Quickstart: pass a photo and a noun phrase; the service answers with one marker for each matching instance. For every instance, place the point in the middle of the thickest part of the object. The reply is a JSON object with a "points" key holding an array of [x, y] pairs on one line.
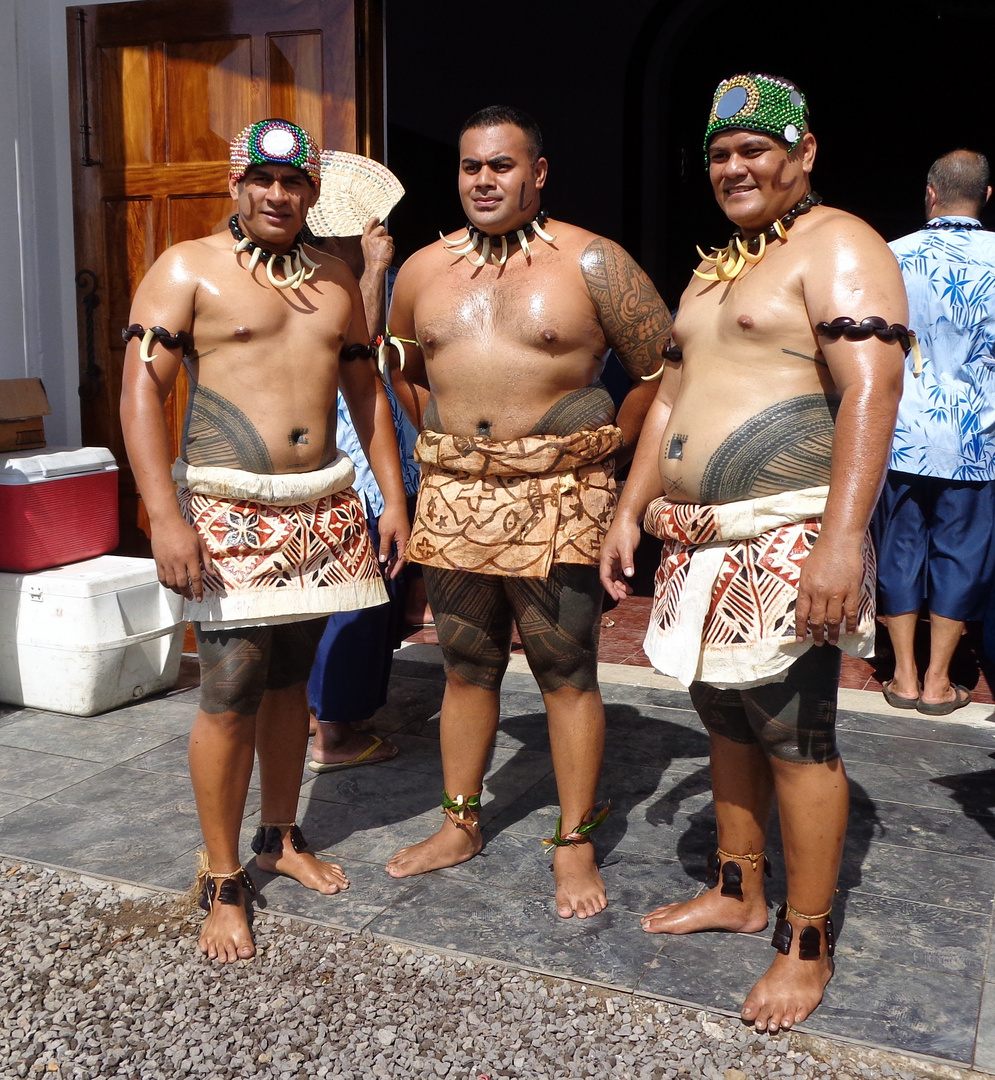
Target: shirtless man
{"points": [[770, 404], [505, 327], [267, 535]]}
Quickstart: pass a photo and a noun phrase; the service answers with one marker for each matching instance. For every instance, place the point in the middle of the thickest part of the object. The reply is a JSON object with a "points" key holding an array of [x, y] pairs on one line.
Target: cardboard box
{"points": [[22, 405]]}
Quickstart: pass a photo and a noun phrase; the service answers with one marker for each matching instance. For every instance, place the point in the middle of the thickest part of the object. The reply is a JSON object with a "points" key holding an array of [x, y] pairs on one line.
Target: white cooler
{"points": [[88, 637]]}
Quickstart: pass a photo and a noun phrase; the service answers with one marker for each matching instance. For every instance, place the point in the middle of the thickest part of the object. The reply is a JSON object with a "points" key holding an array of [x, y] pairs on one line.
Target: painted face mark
{"points": [[298, 437], [676, 449], [521, 197]]}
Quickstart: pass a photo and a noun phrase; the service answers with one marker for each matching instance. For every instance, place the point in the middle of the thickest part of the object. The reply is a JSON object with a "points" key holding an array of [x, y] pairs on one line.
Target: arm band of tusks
{"points": [[155, 333]]}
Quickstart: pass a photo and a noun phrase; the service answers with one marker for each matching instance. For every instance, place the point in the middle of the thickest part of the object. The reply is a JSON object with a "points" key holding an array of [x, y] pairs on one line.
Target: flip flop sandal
{"points": [[944, 708], [362, 759], [896, 701]]}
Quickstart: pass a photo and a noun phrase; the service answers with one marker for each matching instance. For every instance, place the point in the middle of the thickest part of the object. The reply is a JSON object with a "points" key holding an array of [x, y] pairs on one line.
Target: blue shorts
{"points": [[934, 543]]}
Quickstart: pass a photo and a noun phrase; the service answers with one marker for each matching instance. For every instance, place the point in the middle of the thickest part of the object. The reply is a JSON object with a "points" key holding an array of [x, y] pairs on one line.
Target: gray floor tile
{"points": [[914, 725], [10, 803], [916, 934], [415, 754], [940, 878], [984, 1047], [100, 841], [718, 968], [894, 783], [171, 757], [371, 833], [892, 1005], [924, 827], [9, 714], [129, 792], [932, 757], [77, 737], [371, 892], [408, 701], [519, 928], [36, 775], [172, 715]]}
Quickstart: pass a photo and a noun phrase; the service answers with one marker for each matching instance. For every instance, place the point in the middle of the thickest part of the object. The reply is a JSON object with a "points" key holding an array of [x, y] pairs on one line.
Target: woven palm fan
{"points": [[352, 189]]}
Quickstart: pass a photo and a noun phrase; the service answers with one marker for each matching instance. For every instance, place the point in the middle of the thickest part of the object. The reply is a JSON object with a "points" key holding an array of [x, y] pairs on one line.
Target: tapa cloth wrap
{"points": [[724, 596], [514, 507], [285, 547]]}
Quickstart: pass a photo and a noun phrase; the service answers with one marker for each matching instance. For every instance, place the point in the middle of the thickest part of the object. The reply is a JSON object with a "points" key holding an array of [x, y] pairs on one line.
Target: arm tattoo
{"points": [[218, 433], [633, 316], [786, 447]]}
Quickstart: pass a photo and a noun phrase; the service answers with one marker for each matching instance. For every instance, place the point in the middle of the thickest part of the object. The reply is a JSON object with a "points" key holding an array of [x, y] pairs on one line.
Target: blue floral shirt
{"points": [[348, 440], [946, 419]]}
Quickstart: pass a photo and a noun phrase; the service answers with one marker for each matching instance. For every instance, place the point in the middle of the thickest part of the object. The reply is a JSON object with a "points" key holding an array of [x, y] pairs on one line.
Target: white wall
{"points": [[38, 297]]}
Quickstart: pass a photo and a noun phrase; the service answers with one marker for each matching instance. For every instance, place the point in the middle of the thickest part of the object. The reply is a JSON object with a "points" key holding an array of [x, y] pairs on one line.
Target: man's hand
{"points": [[394, 532], [617, 557], [378, 245], [828, 593], [179, 555]]}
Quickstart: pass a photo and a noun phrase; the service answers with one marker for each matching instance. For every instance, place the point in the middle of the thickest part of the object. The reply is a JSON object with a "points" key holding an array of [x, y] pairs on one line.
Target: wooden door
{"points": [[158, 88]]}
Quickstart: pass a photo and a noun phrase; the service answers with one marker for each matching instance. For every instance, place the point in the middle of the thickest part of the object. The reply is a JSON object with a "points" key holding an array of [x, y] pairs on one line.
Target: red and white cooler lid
{"points": [[54, 463]]}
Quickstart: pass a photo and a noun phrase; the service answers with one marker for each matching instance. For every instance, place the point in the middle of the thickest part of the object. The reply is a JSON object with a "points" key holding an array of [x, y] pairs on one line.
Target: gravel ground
{"points": [[101, 980]]}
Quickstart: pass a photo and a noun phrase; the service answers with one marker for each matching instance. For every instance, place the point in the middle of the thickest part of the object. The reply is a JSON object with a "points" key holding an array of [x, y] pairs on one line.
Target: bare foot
{"points": [[789, 991], [225, 934], [579, 888], [710, 911], [450, 846], [324, 877]]}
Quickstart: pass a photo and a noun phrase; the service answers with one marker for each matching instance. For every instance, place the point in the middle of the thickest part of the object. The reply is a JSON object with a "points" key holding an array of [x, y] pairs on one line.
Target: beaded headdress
{"points": [[275, 142], [758, 103]]}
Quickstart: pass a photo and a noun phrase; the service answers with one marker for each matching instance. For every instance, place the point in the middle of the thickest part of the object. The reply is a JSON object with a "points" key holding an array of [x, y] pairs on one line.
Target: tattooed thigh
{"points": [[233, 667], [786, 447]]}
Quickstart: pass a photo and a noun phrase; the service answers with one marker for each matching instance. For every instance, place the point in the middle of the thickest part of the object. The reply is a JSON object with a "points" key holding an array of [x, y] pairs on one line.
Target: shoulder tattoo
{"points": [[633, 316]]}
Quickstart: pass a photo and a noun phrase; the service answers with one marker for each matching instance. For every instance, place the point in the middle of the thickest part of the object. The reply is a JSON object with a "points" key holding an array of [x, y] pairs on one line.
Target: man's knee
{"points": [[474, 659]]}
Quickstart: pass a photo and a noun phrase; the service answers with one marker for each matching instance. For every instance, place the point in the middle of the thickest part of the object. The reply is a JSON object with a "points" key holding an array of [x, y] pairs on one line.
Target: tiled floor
{"points": [[110, 795]]}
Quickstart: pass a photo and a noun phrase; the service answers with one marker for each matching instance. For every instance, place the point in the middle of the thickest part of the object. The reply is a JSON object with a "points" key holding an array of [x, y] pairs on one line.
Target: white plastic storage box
{"points": [[88, 637]]}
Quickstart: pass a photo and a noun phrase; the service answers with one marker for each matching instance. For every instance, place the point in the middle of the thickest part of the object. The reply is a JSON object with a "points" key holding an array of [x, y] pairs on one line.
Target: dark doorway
{"points": [[622, 93]]}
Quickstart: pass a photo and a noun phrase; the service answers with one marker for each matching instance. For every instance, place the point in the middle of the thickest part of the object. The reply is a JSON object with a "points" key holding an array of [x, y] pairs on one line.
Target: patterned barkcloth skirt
{"points": [[725, 593], [513, 507], [301, 552]]}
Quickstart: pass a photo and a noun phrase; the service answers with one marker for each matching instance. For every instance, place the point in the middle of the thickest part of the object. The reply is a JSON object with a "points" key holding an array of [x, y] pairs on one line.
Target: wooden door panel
{"points": [[295, 78], [159, 87], [217, 75], [126, 90], [190, 216]]}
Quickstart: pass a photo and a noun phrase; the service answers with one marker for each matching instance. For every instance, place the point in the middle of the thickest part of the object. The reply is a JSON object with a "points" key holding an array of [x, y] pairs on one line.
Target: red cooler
{"points": [[57, 505]]}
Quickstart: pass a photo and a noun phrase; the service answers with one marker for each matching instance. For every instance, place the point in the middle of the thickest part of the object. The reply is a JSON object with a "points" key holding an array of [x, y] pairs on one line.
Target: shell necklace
{"points": [[475, 246], [730, 261], [297, 267]]}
